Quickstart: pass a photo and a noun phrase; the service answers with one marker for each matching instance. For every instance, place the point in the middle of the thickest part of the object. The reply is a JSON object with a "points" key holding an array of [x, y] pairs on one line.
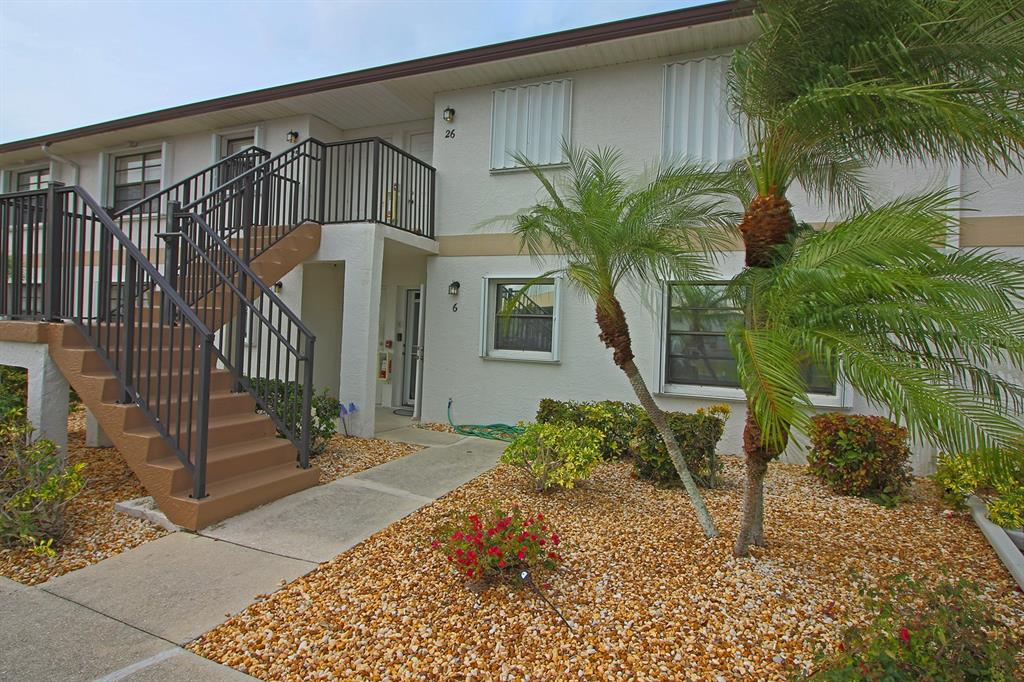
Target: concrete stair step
{"points": [[230, 460], [247, 491]]}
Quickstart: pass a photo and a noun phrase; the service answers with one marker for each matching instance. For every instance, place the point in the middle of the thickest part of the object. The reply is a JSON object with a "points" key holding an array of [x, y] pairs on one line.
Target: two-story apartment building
{"points": [[407, 167]]}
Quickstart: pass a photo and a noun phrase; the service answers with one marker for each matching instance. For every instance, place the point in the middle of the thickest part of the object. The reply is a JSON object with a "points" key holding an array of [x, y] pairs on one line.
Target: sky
{"points": [[67, 64]]}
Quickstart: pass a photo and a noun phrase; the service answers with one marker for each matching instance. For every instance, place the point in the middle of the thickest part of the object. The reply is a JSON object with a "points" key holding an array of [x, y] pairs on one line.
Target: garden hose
{"points": [[505, 432]]}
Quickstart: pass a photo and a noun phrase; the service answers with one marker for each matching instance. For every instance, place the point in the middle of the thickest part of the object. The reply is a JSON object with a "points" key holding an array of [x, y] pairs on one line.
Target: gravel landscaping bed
{"points": [[95, 530], [346, 455], [434, 426], [647, 596]]}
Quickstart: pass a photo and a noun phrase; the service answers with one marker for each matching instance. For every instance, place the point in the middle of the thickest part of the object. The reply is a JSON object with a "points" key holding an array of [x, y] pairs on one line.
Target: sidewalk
{"points": [[126, 618]]}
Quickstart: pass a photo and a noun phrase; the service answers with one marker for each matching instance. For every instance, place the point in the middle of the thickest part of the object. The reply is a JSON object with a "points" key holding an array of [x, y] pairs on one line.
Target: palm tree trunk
{"points": [[615, 334], [669, 438], [757, 459], [767, 223]]}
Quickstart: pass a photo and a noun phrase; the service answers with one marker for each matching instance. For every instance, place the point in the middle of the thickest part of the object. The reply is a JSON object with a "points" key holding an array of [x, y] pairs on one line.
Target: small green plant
{"points": [[922, 631], [865, 456], [557, 454], [1002, 488], [35, 486], [494, 543], [286, 396], [13, 388], [697, 434], [614, 419]]}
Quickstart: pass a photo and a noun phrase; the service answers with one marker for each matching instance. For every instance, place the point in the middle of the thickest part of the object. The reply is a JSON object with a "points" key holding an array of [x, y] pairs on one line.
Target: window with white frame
{"points": [[232, 144], [33, 179], [531, 120], [520, 319], [136, 176], [696, 124], [697, 352]]}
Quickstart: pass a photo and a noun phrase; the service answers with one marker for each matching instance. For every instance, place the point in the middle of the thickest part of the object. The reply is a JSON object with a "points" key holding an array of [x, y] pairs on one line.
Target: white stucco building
{"points": [[651, 87]]}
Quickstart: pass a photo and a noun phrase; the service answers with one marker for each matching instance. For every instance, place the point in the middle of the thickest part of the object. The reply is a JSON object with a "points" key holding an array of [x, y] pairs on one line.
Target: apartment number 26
{"points": [[449, 134]]}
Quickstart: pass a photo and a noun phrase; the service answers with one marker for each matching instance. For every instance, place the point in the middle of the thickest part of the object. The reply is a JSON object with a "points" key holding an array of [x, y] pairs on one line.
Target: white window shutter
{"points": [[696, 123], [532, 120]]}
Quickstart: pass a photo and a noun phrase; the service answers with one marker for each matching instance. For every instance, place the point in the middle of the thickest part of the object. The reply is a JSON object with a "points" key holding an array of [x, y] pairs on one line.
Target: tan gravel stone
{"points": [[648, 597]]}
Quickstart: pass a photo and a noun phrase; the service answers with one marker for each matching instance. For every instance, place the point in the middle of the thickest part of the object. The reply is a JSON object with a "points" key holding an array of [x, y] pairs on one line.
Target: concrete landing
{"points": [[46, 637], [179, 586], [317, 524]]}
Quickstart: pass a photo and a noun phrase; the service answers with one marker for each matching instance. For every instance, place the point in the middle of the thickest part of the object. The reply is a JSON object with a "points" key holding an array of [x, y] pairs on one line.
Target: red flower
{"points": [[501, 563], [435, 544], [905, 634], [522, 555], [540, 517], [554, 538]]}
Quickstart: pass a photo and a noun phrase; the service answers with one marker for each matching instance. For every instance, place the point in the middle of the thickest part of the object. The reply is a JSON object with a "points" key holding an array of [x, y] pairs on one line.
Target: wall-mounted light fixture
{"points": [[278, 286], [448, 114], [453, 289], [292, 137]]}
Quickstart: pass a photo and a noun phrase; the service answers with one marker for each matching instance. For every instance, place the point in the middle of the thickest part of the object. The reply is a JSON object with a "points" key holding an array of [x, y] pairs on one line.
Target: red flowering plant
{"points": [[935, 630], [494, 543]]}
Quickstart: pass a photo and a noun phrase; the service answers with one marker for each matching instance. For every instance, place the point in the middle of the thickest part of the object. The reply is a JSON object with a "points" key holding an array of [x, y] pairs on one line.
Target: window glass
{"points": [[696, 350], [136, 176], [524, 316], [30, 180]]}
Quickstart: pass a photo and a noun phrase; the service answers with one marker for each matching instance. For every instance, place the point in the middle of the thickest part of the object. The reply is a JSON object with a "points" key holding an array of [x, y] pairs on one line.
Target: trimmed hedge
{"points": [[697, 435], [860, 455], [555, 454], [614, 419]]}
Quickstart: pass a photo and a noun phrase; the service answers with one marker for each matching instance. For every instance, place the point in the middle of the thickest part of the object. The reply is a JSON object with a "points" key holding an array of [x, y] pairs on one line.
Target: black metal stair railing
{"points": [[56, 248], [142, 220], [262, 337]]}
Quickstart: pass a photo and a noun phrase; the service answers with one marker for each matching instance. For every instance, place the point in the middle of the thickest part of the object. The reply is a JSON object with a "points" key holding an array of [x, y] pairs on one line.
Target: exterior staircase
{"points": [[178, 362]]}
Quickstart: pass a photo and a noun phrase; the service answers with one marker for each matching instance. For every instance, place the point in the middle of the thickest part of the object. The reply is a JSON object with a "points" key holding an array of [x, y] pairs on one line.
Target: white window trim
{"points": [[217, 139], [487, 310], [567, 136], [842, 399]]}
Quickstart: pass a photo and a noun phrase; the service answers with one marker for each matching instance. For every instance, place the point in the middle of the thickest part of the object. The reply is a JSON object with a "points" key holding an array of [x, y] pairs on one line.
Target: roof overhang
{"points": [[405, 90]]}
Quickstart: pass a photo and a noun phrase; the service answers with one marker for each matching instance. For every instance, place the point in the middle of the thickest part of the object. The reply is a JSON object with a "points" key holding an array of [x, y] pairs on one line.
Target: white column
{"points": [[94, 436], [47, 408], [360, 329]]}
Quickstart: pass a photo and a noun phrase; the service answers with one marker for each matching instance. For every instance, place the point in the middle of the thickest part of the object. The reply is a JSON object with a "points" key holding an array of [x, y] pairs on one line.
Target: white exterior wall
{"points": [[619, 106]]}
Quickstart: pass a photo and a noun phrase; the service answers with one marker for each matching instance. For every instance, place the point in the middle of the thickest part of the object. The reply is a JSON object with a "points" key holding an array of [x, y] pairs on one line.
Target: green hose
{"points": [[505, 432]]}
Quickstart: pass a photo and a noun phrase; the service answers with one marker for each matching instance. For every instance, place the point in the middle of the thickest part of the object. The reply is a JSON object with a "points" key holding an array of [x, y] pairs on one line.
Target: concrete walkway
{"points": [[126, 618]]}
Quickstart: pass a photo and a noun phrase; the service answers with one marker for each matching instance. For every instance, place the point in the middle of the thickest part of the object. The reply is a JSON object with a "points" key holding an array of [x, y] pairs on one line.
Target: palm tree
{"points": [[610, 232], [829, 88]]}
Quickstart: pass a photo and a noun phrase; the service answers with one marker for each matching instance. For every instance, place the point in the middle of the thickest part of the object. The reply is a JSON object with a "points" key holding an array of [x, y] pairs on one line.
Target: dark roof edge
{"points": [[624, 28]]}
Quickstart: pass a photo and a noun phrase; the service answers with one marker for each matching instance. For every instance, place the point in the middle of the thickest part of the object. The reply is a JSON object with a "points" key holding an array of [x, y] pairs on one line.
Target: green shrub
{"points": [[1001, 488], [13, 388], [922, 631], [558, 454], [287, 397], [697, 435], [615, 420], [860, 455], [35, 486], [485, 545]]}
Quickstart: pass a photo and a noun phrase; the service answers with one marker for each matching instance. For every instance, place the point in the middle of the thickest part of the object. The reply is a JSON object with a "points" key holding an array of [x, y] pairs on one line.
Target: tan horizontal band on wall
{"points": [[974, 231], [1004, 230], [497, 245]]}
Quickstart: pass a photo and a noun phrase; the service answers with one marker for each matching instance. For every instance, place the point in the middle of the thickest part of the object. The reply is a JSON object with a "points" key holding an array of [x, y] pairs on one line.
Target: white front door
{"points": [[421, 145]]}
